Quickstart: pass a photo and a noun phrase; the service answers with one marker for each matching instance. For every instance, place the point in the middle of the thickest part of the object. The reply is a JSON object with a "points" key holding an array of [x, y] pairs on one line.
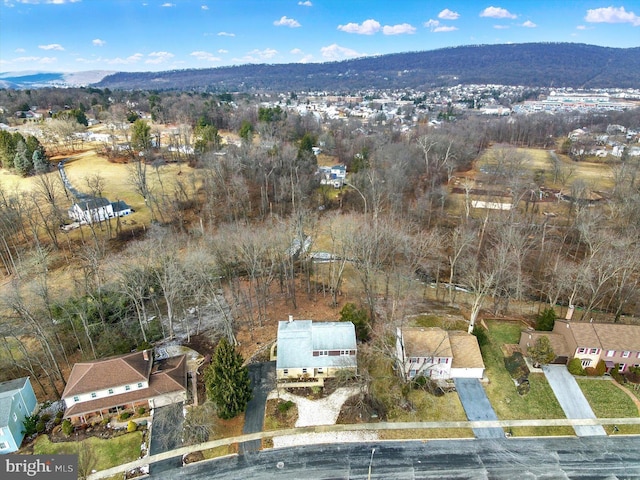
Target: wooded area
{"points": [[231, 229]]}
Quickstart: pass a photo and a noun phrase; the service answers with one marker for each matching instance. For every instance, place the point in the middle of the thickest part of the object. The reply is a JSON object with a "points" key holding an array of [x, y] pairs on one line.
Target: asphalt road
{"points": [[263, 378], [578, 458], [571, 399], [477, 406]]}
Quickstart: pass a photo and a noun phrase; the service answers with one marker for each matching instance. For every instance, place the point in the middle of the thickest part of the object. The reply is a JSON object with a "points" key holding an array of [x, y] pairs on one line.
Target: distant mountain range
{"points": [[531, 64], [20, 80]]}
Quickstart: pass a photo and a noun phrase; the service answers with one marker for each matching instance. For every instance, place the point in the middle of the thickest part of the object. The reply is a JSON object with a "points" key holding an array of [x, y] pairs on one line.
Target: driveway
{"points": [[571, 398], [477, 406], [263, 380], [166, 434]]}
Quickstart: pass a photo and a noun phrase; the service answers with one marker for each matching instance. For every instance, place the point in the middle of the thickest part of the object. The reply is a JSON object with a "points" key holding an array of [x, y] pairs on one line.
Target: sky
{"points": [[155, 35]]}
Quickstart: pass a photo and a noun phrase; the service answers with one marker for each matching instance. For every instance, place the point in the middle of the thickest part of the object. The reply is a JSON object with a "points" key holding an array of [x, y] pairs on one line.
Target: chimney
{"points": [[145, 355], [290, 318]]}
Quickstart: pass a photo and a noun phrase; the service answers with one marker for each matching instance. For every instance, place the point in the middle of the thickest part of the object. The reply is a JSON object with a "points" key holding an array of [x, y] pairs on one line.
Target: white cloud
{"points": [[447, 14], [205, 56], [434, 26], [399, 29], [136, 57], [497, 12], [19, 50], [287, 22], [98, 42], [52, 46], [612, 15], [258, 55], [204, 7], [226, 34], [336, 52], [306, 4], [501, 27], [222, 50], [168, 5], [26, 59], [159, 57], [296, 51], [581, 27], [529, 24], [368, 27], [36, 2], [48, 60]]}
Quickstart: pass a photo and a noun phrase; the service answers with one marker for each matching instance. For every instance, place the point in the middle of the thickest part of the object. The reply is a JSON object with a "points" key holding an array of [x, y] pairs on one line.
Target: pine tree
{"points": [[40, 162], [227, 381], [21, 161]]}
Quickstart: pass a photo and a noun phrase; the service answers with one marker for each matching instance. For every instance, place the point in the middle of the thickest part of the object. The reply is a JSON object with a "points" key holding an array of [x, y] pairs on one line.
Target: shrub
{"points": [[60, 414], [546, 319], [105, 421], [125, 415], [601, 368], [45, 417], [575, 367], [132, 426], [360, 319], [481, 334], [29, 424], [523, 387], [67, 427], [591, 372], [617, 376], [284, 407], [40, 426], [141, 410]]}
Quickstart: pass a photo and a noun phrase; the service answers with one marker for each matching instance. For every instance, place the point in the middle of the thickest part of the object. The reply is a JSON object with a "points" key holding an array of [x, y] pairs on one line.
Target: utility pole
{"points": [[370, 463]]}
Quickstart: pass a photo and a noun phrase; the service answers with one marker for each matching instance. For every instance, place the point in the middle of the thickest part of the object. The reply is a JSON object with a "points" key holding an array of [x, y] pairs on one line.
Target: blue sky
{"points": [[152, 35]]}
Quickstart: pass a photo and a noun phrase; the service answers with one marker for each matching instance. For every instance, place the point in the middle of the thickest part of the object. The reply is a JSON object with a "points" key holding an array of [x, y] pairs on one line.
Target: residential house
{"points": [[109, 386], [334, 175], [308, 352], [98, 209], [438, 354], [613, 343], [17, 401]]}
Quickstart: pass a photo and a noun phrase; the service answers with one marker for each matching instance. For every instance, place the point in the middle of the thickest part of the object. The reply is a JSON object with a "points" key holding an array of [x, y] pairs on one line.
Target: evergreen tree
{"points": [[359, 318], [40, 162], [7, 149], [140, 135], [227, 381], [546, 319], [21, 161]]}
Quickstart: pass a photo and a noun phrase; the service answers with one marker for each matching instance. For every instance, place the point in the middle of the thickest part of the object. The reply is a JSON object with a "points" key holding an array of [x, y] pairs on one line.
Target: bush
{"points": [[67, 427], [141, 410], [523, 387], [516, 366], [359, 318], [617, 376], [284, 407], [601, 368], [45, 417], [546, 319], [481, 334], [60, 414], [30, 424], [125, 415], [591, 372], [40, 426], [575, 367], [105, 421], [132, 426]]}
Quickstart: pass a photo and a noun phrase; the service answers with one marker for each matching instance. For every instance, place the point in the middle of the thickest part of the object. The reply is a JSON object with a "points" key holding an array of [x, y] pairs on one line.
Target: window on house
{"points": [[15, 417], [111, 391], [320, 371], [76, 399], [611, 353], [323, 353], [412, 373], [586, 363], [413, 360], [582, 350], [626, 354], [93, 395], [622, 367], [127, 387], [139, 384], [3, 445], [304, 370], [594, 350], [285, 371], [344, 352], [638, 355]]}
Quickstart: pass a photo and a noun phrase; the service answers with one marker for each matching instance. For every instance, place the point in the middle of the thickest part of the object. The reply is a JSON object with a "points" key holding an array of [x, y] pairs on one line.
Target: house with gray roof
{"points": [[307, 352], [17, 401], [98, 209]]}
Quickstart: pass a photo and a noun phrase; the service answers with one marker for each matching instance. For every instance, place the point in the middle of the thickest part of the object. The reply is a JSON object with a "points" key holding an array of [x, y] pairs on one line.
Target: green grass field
{"points": [[608, 401], [107, 452]]}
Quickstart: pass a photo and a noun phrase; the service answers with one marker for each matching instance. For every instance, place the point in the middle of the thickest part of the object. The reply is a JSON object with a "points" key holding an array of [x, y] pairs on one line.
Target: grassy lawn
{"points": [[107, 452], [608, 401], [540, 402]]}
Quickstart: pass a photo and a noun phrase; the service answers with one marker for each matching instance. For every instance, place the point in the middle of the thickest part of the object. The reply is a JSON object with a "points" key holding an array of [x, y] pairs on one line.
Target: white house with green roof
{"points": [[307, 352]]}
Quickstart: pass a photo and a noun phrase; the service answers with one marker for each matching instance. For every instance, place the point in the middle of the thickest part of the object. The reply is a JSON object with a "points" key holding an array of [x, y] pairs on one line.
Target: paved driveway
{"points": [[263, 380], [571, 398], [166, 434], [477, 406]]}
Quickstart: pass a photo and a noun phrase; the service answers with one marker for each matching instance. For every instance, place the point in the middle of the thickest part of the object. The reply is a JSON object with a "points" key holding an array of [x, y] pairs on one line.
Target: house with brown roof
{"points": [[112, 385], [591, 342], [438, 354]]}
